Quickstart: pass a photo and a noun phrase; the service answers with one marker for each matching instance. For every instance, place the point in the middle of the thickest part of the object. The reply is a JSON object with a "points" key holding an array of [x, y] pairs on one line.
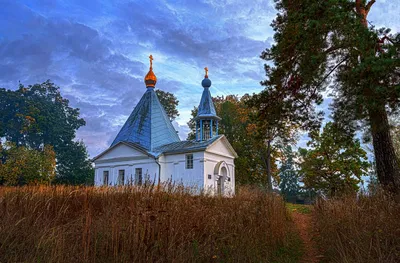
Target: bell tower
{"points": [[206, 119]]}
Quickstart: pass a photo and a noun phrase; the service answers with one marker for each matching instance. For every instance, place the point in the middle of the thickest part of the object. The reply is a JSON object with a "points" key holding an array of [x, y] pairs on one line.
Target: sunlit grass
{"points": [[301, 209], [359, 229], [129, 224]]}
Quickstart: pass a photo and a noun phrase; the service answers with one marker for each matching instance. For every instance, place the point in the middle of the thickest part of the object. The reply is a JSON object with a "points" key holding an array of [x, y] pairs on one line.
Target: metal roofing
{"points": [[206, 106], [175, 147], [148, 125], [185, 146]]}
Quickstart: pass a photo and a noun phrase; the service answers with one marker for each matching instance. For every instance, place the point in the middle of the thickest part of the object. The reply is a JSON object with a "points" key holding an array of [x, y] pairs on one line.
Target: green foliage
{"points": [[77, 169], [271, 127], [322, 42], [335, 163], [238, 128], [192, 124], [289, 183], [38, 115], [22, 165], [169, 102]]}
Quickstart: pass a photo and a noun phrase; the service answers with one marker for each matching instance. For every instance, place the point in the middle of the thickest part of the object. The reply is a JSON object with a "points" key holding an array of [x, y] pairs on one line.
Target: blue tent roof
{"points": [[206, 107], [148, 125]]}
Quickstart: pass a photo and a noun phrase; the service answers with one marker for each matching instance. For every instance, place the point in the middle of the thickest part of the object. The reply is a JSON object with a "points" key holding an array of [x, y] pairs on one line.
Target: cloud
{"points": [[97, 52]]}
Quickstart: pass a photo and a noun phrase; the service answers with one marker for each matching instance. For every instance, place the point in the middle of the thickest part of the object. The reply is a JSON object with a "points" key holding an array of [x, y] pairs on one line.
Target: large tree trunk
{"points": [[268, 164], [266, 158], [387, 164]]}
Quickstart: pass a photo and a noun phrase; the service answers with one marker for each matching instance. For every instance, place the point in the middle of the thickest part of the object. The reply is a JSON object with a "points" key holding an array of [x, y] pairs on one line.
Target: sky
{"points": [[97, 52]]}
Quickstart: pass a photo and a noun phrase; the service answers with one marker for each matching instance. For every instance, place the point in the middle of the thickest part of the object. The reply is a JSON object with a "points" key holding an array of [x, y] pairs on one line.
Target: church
{"points": [[148, 149]]}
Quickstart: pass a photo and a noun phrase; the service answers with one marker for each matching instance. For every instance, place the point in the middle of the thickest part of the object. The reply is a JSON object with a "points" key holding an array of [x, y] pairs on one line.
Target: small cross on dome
{"points": [[151, 60]]}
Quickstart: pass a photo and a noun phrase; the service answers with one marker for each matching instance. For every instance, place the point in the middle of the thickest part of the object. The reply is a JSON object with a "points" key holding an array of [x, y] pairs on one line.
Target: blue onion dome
{"points": [[206, 83]]}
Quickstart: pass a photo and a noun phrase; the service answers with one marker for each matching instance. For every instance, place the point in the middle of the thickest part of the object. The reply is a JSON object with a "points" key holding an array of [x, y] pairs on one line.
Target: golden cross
{"points": [[206, 69], [151, 61]]}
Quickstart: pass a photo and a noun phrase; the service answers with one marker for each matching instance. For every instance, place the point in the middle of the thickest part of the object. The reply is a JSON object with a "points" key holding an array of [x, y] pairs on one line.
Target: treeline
{"points": [[37, 138], [333, 163], [330, 47]]}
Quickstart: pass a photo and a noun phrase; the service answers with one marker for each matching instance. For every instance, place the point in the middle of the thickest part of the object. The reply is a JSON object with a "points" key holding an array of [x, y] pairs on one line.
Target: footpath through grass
{"points": [[302, 209], [302, 218], [362, 228]]}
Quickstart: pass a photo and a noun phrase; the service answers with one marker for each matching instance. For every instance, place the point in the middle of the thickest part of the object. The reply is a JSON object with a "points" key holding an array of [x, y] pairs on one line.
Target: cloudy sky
{"points": [[97, 52]]}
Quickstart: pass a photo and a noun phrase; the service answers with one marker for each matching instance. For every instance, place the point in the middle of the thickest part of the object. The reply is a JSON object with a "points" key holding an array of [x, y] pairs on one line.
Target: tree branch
{"points": [[358, 6], [331, 71], [368, 6], [332, 48]]}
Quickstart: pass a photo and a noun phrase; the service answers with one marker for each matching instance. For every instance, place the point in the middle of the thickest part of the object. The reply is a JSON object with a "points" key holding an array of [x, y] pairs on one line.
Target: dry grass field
{"points": [[359, 229], [128, 224]]}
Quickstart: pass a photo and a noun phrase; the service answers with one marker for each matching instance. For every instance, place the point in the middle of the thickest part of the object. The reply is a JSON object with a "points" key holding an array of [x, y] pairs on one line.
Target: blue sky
{"points": [[97, 52]]}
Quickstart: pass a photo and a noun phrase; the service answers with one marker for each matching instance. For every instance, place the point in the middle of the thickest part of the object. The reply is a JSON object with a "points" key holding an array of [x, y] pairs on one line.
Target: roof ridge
{"points": [[148, 124]]}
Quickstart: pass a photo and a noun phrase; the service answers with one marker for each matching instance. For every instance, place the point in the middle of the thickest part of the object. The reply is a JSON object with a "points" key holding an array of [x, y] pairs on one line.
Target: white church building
{"points": [[148, 148]]}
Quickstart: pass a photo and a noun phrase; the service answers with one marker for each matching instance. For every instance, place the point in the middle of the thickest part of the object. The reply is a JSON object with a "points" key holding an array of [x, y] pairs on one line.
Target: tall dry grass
{"points": [[74, 224], [359, 229]]}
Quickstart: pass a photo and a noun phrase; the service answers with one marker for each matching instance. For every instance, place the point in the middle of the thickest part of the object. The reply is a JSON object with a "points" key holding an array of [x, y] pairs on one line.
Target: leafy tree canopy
{"points": [[272, 127], [21, 165], [250, 167], [37, 115], [169, 102], [335, 162]]}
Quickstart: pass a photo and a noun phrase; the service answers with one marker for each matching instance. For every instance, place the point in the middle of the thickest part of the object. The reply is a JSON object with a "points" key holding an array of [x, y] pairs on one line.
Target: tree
{"points": [[192, 124], [335, 162], [322, 42], [37, 115], [169, 102], [289, 183], [396, 135], [239, 128], [77, 169], [272, 126], [26, 166]]}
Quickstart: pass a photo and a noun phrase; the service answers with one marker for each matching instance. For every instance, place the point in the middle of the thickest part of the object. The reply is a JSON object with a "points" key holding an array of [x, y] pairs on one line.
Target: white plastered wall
{"points": [[217, 156], [174, 168], [123, 157]]}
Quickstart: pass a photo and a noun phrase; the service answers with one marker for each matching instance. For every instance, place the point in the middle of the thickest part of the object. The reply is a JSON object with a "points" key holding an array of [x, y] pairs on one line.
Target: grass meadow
{"points": [[362, 229], [170, 224], [129, 224]]}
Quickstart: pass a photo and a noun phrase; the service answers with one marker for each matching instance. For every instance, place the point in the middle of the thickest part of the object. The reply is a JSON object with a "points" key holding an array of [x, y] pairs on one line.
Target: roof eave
{"points": [[129, 144], [227, 143], [202, 117]]}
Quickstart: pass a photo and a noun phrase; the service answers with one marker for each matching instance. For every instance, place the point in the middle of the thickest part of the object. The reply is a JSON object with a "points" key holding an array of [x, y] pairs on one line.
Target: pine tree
{"points": [[319, 42], [289, 183]]}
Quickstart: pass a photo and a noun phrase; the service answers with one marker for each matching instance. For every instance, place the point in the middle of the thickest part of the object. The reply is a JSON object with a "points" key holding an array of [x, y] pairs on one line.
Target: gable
{"points": [[120, 151], [222, 147]]}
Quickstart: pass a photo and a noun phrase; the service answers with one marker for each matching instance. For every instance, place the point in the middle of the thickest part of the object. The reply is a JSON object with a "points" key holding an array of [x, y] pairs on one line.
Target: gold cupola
{"points": [[150, 78]]}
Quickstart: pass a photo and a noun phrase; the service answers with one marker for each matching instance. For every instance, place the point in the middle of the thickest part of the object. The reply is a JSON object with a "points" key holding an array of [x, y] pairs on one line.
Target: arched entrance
{"points": [[221, 180]]}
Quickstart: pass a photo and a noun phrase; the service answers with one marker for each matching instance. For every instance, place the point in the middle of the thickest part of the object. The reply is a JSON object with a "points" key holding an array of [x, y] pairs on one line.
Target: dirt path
{"points": [[303, 223]]}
